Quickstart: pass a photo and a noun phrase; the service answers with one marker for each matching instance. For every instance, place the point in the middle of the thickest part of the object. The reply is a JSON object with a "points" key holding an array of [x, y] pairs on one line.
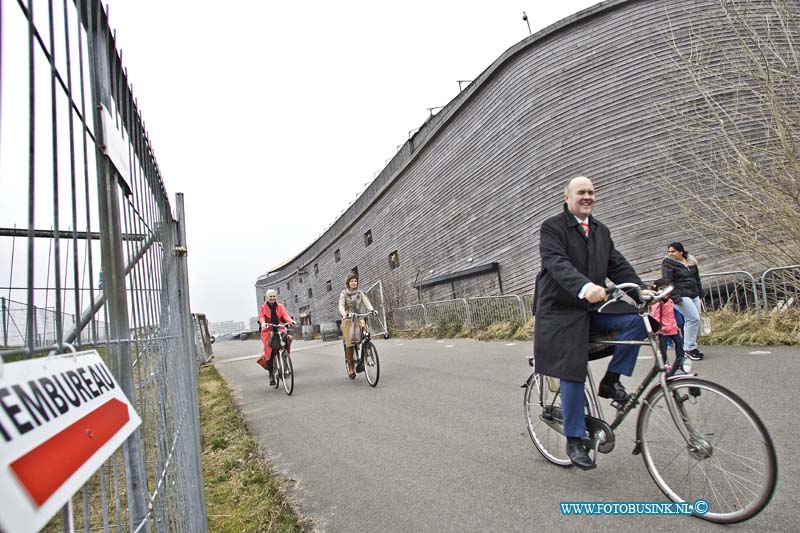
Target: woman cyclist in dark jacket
{"points": [[680, 270]]}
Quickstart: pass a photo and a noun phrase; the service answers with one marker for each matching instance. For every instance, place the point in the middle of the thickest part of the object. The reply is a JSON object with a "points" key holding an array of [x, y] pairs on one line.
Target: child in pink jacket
{"points": [[664, 312]]}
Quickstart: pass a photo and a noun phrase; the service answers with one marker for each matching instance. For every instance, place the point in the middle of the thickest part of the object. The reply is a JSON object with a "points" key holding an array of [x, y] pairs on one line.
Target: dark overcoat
{"points": [[569, 261]]}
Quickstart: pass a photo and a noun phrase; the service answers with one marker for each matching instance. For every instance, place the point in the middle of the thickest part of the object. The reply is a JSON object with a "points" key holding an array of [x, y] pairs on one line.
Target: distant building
{"points": [[228, 327]]}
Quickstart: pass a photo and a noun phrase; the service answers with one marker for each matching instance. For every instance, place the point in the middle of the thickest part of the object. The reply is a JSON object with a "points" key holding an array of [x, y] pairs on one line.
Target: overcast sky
{"points": [[271, 117]]}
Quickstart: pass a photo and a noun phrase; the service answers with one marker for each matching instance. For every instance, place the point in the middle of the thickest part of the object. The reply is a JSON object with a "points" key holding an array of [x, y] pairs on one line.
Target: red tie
{"points": [[585, 227]]}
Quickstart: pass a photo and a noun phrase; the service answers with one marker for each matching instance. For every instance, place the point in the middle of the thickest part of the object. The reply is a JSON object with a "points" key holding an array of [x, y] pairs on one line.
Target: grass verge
{"points": [[242, 495], [727, 328]]}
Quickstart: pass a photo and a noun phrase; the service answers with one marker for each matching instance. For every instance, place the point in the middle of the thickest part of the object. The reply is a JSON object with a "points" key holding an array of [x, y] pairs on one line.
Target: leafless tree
{"points": [[736, 144]]}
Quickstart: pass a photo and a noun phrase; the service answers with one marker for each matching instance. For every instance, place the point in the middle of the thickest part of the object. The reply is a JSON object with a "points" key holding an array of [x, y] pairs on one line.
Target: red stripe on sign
{"points": [[45, 468]]}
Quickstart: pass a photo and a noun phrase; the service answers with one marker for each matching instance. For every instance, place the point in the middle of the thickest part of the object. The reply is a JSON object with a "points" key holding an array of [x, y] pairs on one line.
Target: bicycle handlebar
{"points": [[286, 325], [361, 315], [617, 291]]}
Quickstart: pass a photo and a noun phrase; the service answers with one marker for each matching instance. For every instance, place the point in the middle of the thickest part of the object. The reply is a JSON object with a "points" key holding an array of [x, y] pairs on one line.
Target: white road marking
{"points": [[759, 352]]}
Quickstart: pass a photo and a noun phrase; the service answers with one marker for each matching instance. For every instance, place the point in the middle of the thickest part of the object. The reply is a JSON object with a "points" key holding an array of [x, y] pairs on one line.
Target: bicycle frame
{"points": [[658, 369]]}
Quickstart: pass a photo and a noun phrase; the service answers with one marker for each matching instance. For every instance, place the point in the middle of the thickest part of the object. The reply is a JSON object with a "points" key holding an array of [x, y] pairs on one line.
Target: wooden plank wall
{"points": [[580, 98]]}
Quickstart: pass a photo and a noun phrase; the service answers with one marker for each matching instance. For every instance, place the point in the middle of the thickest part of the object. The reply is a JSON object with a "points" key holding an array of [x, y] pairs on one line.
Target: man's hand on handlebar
{"points": [[595, 293]]}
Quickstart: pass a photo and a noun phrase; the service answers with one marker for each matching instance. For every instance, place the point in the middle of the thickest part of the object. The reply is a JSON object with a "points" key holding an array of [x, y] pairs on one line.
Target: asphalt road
{"points": [[440, 444]]}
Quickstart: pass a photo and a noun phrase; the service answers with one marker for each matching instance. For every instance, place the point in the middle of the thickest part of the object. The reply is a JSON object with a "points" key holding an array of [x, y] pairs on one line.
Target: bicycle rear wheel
{"points": [[730, 462], [542, 405], [372, 365], [287, 372]]}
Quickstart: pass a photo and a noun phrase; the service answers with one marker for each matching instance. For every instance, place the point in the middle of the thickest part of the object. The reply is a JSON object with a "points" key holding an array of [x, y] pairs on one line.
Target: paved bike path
{"points": [[441, 444]]}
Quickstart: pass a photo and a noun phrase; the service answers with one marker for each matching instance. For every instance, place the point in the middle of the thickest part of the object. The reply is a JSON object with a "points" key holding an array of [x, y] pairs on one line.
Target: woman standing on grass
{"points": [[680, 270]]}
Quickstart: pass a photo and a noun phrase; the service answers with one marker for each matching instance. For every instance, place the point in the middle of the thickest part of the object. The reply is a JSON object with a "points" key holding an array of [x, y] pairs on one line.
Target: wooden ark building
{"points": [[456, 211]]}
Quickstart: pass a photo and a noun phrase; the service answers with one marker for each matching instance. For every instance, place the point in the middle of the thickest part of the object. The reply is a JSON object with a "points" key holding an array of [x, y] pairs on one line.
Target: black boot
{"points": [[577, 454], [271, 379]]}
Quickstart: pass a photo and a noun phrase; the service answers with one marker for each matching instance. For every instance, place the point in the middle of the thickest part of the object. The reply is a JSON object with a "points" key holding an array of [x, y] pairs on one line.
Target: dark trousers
{"points": [[677, 342], [628, 327]]}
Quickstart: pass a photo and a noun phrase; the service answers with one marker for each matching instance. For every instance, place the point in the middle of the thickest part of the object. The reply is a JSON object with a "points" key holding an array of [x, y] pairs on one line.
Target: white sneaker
{"points": [[687, 365]]}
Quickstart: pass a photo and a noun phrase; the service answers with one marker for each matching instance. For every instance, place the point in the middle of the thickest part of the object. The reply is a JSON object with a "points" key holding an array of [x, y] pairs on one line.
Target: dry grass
{"points": [[779, 329], [242, 495], [728, 328]]}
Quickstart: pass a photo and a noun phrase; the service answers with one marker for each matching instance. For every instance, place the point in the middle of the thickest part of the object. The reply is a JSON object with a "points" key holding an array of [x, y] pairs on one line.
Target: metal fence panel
{"points": [[377, 324], [485, 310], [448, 312], [95, 258], [780, 288], [409, 318], [735, 291]]}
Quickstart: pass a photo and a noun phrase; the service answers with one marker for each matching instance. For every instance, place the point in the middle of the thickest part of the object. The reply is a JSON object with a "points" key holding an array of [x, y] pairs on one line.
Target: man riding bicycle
{"points": [[577, 256], [273, 313]]}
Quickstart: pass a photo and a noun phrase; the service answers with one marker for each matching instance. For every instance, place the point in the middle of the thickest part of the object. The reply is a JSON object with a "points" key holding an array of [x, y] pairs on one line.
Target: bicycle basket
{"points": [[275, 341]]}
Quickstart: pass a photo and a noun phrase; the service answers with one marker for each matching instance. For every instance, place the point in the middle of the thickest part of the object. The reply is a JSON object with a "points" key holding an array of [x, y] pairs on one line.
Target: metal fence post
{"points": [[201, 525], [114, 268], [424, 315], [469, 317]]}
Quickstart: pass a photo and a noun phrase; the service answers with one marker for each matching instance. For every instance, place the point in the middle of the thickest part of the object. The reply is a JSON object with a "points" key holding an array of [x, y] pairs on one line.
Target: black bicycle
{"points": [[282, 361], [365, 355], [700, 442]]}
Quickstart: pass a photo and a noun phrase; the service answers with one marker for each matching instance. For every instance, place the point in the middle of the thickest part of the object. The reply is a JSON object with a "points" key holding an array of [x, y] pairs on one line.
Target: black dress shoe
{"points": [[577, 454], [615, 391]]}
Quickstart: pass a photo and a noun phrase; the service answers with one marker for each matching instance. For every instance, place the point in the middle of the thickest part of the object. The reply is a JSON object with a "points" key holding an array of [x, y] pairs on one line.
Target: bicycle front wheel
{"points": [[287, 372], [372, 365], [730, 461], [276, 369]]}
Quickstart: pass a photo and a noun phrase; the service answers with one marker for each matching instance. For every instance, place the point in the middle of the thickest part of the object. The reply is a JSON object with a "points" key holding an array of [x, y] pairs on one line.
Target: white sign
{"points": [[115, 146], [60, 419]]}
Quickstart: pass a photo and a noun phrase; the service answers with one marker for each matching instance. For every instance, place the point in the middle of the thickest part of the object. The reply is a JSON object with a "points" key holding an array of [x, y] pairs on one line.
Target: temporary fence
{"points": [[780, 288], [736, 291], [14, 325], [490, 309], [95, 258]]}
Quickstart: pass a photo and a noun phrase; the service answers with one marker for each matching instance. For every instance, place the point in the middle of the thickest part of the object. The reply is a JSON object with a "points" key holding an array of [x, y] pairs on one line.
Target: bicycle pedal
{"points": [[619, 406]]}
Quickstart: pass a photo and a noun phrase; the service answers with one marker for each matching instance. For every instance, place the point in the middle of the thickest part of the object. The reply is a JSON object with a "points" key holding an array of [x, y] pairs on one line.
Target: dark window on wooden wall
{"points": [[354, 270], [279, 290], [301, 279], [328, 285], [295, 299], [310, 294], [288, 285], [337, 256], [368, 238], [394, 260], [316, 269]]}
